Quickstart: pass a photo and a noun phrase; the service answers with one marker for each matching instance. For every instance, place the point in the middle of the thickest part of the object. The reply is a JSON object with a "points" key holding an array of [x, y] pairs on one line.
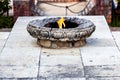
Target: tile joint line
{"points": [[38, 78], [5, 43], [82, 63]]}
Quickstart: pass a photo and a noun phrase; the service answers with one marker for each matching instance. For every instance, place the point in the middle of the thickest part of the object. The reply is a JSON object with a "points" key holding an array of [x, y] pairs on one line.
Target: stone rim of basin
{"points": [[37, 29]]}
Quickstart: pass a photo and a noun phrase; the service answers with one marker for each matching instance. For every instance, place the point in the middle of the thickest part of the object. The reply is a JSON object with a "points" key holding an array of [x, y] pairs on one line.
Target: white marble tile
{"points": [[1, 49], [116, 36], [21, 30], [66, 71], [102, 71], [22, 56], [64, 79], [104, 78], [100, 56], [65, 65], [101, 35], [4, 35], [21, 40], [67, 51], [96, 42], [28, 78], [18, 71], [53, 57], [60, 60], [22, 22], [72, 79], [2, 43]]}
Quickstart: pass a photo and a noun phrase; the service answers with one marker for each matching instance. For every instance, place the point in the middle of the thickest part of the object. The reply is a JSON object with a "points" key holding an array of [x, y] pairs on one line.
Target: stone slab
{"points": [[96, 42], [20, 56], [1, 49], [19, 62], [65, 79], [104, 78], [67, 51], [22, 22], [116, 36], [72, 79], [63, 71], [60, 60], [18, 72], [21, 40], [100, 56], [2, 43], [101, 35], [4, 35], [54, 65], [102, 71], [3, 38], [18, 78]]}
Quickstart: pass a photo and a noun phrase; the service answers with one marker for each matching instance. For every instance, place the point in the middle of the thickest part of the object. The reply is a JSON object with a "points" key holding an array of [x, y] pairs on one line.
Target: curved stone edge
{"points": [[60, 34]]}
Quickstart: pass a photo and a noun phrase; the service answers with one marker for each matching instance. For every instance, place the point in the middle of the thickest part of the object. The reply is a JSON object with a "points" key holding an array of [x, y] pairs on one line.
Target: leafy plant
{"points": [[6, 22], [4, 7]]}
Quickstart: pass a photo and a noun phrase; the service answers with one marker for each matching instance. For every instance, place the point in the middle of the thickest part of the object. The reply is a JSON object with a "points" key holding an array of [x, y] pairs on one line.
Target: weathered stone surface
{"points": [[40, 29], [102, 71], [100, 55], [45, 43], [76, 29], [4, 35], [77, 44], [117, 38], [60, 44], [104, 78], [63, 63], [17, 72]]}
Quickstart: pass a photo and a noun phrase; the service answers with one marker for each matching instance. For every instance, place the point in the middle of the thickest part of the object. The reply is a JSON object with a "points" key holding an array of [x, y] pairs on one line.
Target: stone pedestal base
{"points": [[60, 44]]}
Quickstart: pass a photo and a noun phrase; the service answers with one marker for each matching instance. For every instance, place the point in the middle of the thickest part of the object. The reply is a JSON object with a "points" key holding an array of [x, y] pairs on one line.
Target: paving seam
{"points": [[82, 64], [5, 43], [115, 41], [38, 78]]}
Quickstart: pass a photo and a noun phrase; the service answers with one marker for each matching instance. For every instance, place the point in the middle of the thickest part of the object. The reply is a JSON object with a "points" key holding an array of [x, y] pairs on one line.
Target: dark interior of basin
{"points": [[67, 23]]}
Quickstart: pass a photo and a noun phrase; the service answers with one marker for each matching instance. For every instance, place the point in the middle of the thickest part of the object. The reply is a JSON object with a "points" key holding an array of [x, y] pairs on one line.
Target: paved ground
{"points": [[21, 58]]}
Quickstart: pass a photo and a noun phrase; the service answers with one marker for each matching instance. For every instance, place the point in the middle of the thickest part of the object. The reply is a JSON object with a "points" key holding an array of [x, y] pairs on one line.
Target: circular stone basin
{"points": [[49, 35]]}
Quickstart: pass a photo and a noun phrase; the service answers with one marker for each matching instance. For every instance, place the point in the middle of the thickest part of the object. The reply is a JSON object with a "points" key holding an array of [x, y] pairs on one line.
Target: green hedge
{"points": [[6, 22]]}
